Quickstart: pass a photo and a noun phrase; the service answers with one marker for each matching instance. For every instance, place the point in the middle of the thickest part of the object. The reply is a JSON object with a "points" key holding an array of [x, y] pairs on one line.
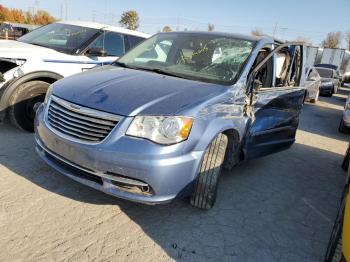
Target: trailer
{"points": [[310, 56], [331, 56]]}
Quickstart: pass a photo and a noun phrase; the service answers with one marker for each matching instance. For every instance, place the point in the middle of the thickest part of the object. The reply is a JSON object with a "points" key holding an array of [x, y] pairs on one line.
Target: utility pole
{"points": [[274, 30], [61, 15], [36, 4], [178, 24], [66, 11]]}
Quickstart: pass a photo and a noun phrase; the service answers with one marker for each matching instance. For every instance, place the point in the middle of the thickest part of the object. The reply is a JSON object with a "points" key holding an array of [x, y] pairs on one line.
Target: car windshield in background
{"points": [[61, 37], [325, 72], [203, 57]]}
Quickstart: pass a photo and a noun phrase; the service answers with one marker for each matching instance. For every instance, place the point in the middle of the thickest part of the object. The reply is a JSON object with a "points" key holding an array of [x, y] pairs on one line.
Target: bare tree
{"points": [[211, 27], [305, 40], [130, 20], [257, 32], [348, 39], [332, 40], [167, 29]]}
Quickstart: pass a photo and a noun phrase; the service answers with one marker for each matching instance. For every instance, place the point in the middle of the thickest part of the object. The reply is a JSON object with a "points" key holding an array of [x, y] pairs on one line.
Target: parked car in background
{"points": [[159, 123], [12, 31], [338, 249], [344, 125], [330, 79], [312, 84], [34, 61]]}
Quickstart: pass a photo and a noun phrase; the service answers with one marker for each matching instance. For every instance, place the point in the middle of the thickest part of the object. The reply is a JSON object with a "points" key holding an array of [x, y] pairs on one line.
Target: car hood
{"points": [[131, 92], [16, 49]]}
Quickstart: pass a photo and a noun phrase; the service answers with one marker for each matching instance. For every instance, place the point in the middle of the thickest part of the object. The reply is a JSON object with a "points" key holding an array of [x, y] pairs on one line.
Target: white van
{"points": [[31, 63]]}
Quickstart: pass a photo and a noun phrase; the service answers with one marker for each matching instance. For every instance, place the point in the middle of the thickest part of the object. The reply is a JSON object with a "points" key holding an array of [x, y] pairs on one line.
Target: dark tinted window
{"points": [[61, 37], [134, 40], [324, 72], [112, 42]]}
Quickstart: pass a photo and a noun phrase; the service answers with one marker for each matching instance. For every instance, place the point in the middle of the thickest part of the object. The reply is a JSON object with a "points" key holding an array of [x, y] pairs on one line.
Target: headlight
{"points": [[161, 129], [48, 94]]}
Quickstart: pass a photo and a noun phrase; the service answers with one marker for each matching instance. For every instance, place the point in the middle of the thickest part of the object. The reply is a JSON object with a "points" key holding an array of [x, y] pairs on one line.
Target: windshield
{"points": [[325, 72], [60, 37], [203, 57]]}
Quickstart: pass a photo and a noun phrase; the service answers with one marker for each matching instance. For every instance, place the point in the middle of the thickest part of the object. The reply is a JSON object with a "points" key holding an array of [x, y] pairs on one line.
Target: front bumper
{"points": [[168, 171]]}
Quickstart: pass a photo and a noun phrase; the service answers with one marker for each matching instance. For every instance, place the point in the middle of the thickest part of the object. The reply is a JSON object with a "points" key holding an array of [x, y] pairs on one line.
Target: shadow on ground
{"points": [[277, 208]]}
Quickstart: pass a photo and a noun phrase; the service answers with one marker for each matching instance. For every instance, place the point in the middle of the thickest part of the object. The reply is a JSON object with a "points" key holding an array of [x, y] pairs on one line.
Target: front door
{"points": [[276, 101]]}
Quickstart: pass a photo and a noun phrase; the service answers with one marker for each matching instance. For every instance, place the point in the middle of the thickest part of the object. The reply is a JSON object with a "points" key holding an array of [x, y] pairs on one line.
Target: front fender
{"points": [[219, 125]]}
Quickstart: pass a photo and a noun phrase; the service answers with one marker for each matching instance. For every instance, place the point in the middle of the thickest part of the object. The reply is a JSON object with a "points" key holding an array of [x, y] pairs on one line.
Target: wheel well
{"points": [[49, 80], [233, 153], [6, 91]]}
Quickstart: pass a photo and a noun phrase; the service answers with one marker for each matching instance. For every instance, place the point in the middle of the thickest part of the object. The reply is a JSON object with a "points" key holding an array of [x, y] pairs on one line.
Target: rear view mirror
{"points": [[95, 51]]}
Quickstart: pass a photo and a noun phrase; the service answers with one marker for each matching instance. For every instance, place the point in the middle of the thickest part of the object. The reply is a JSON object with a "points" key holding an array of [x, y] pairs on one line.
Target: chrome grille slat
{"points": [[79, 123], [68, 118], [74, 129], [73, 124], [74, 134], [98, 121]]}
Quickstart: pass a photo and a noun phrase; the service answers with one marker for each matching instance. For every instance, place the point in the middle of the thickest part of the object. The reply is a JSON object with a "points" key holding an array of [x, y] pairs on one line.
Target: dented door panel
{"points": [[275, 121]]}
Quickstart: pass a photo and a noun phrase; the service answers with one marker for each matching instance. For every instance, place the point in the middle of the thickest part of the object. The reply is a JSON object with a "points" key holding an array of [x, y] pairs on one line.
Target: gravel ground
{"points": [[277, 208]]}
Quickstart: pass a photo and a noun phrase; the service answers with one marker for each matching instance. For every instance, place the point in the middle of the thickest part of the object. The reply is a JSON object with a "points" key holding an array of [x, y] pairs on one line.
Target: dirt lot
{"points": [[277, 208]]}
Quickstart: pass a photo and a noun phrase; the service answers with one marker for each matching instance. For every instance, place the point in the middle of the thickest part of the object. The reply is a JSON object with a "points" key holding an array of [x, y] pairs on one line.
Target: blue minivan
{"points": [[163, 120]]}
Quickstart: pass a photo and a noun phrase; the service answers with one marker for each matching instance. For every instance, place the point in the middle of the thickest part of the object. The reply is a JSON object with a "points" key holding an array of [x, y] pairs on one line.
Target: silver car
{"points": [[344, 125], [312, 84]]}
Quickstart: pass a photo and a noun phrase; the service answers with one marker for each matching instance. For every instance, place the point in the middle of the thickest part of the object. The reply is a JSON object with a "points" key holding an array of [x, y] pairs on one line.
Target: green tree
{"points": [[167, 29], [332, 40], [211, 27], [130, 20], [305, 40], [257, 32]]}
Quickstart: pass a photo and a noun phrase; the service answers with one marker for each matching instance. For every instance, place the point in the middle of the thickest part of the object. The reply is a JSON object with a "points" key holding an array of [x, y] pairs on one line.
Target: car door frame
{"points": [[274, 137]]}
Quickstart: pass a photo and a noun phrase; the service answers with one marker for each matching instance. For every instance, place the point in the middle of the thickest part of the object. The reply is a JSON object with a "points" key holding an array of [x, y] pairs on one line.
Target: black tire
{"points": [[22, 103], [346, 160], [205, 190], [343, 128], [334, 244]]}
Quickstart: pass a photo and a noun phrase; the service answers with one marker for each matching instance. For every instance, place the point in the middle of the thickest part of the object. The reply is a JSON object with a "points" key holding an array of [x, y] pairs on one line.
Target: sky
{"points": [[312, 19]]}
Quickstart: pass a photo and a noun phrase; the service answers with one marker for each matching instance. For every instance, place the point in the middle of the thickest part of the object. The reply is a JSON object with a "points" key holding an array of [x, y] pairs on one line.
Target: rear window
{"points": [[324, 72]]}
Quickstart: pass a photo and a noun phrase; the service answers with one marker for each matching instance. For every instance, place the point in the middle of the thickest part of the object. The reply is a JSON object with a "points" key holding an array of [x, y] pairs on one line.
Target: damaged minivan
{"points": [[162, 121]]}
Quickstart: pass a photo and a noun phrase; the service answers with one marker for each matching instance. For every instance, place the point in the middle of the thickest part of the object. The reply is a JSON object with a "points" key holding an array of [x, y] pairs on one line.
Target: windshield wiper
{"points": [[162, 72], [156, 70]]}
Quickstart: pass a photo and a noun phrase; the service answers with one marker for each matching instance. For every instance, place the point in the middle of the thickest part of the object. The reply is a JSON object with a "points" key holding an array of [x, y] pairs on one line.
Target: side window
{"points": [[264, 77], [134, 40], [112, 42], [295, 66]]}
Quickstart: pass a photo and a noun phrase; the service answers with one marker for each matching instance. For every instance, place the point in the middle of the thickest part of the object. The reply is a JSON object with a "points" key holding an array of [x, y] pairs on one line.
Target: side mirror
{"points": [[96, 51]]}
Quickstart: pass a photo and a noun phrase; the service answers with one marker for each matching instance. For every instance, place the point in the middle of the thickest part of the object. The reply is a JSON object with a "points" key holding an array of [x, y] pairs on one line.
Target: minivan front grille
{"points": [[77, 122]]}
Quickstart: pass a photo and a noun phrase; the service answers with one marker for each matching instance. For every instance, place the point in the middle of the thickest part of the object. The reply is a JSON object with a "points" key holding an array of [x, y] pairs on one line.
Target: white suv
{"points": [[31, 63]]}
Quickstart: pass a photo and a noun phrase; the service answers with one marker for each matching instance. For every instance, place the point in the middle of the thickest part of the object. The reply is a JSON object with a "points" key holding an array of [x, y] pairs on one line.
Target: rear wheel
{"points": [[204, 194], [23, 102]]}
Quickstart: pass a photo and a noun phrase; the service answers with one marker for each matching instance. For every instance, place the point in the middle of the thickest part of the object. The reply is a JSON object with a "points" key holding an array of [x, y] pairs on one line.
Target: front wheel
{"points": [[204, 194], [23, 102], [342, 127]]}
